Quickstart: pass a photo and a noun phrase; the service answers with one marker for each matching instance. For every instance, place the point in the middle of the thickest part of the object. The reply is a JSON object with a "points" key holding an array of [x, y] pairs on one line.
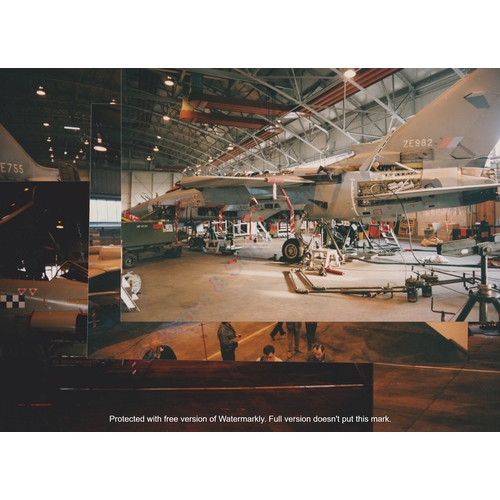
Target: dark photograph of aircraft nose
{"points": [[44, 253]]}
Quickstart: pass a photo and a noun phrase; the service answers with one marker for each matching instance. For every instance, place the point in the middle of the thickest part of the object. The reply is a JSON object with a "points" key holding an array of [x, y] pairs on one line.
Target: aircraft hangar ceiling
{"points": [[60, 98], [246, 121], [220, 121]]}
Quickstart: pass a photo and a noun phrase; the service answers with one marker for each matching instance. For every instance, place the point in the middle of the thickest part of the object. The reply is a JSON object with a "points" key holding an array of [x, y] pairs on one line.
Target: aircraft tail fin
{"points": [[17, 164], [462, 123]]}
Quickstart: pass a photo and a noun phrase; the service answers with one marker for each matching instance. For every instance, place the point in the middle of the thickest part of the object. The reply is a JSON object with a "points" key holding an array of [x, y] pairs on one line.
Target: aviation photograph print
{"points": [[249, 249], [310, 194]]}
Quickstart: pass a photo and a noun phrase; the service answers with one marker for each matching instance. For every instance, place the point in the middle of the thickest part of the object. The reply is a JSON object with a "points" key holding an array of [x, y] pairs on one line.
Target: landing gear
{"points": [[292, 250], [296, 250]]}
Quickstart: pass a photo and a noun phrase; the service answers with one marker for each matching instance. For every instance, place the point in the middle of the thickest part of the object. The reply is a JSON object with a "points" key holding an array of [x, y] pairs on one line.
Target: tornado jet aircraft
{"points": [[16, 164], [437, 159]]}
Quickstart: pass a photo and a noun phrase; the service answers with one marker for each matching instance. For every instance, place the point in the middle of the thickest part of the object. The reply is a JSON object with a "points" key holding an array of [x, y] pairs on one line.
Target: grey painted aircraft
{"points": [[16, 164], [437, 159]]}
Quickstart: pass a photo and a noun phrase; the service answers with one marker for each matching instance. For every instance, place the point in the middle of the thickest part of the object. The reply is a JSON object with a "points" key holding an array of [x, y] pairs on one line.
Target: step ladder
{"points": [[128, 296], [325, 257], [390, 238]]}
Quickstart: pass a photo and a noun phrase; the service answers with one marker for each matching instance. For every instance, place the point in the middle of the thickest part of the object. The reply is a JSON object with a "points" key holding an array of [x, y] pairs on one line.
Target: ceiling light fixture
{"points": [[40, 91], [46, 124], [149, 158], [156, 149], [210, 160], [169, 82], [230, 147], [349, 73], [100, 145], [51, 148], [166, 118], [86, 142], [49, 139], [59, 225], [113, 101], [158, 137], [68, 127]]}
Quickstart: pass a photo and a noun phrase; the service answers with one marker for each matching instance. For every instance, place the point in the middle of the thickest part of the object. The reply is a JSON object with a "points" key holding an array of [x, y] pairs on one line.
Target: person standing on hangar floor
{"points": [[311, 334], [277, 329], [293, 329], [228, 341]]}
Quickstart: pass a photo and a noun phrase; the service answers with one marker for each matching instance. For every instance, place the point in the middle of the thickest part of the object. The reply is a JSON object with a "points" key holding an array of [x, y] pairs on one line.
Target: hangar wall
{"points": [[140, 186]]}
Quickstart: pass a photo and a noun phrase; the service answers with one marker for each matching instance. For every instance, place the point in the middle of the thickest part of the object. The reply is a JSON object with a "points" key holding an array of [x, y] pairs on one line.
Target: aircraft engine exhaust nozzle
{"points": [[68, 322]]}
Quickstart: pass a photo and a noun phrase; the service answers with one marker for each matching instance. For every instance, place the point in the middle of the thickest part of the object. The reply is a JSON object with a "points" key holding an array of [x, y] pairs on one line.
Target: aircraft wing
{"points": [[104, 281], [210, 181], [103, 267], [216, 191], [12, 215]]}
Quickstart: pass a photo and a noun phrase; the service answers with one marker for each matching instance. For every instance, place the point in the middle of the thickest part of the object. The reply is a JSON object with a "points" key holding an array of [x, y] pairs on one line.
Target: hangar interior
{"points": [[246, 122], [294, 117], [58, 115]]}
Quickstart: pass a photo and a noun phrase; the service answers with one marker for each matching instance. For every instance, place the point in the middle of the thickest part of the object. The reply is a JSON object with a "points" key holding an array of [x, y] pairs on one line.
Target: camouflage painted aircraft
{"points": [[437, 159]]}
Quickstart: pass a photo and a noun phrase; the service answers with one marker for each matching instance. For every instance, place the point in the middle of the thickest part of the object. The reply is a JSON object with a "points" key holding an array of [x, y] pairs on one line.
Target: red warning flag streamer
{"points": [[127, 215], [220, 219], [292, 212], [176, 226], [250, 223]]}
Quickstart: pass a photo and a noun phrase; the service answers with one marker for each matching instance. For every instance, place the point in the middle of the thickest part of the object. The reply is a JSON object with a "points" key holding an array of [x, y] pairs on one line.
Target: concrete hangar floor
{"points": [[254, 286]]}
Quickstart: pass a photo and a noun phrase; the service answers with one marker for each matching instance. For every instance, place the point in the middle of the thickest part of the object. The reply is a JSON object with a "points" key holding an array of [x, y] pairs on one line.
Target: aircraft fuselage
{"points": [[386, 195], [49, 305]]}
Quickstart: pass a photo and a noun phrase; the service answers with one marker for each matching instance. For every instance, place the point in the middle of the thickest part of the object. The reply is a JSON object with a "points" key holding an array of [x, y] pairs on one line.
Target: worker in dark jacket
{"points": [[318, 354], [158, 350], [228, 341]]}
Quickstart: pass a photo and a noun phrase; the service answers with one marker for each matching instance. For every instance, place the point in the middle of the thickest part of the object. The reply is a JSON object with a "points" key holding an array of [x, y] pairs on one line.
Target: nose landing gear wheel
{"points": [[292, 250]]}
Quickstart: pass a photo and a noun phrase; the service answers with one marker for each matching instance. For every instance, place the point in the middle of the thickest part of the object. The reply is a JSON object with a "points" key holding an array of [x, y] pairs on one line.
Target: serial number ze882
{"points": [[417, 143]]}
